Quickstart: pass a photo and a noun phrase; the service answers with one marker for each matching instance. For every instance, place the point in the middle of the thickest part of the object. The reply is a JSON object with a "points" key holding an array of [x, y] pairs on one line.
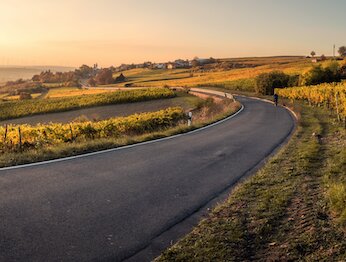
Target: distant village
{"points": [[179, 63]]}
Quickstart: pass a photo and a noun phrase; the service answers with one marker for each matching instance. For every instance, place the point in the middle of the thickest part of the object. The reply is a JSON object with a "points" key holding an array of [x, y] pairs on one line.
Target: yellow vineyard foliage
{"points": [[22, 108], [332, 95], [56, 133]]}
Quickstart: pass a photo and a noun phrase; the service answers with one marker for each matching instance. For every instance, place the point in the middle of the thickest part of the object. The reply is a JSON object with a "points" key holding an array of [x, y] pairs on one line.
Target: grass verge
{"points": [[290, 210]]}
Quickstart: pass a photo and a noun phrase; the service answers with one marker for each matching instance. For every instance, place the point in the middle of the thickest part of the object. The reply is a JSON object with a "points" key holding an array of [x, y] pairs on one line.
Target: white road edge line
{"points": [[121, 147]]}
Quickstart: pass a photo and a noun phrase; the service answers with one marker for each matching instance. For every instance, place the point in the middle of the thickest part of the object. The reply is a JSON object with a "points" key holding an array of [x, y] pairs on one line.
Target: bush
{"points": [[25, 96], [293, 80], [343, 72], [104, 77], [317, 74], [267, 82]]}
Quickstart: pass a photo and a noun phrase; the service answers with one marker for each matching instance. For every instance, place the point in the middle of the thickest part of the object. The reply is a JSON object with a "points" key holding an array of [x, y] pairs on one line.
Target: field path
{"points": [[109, 206]]}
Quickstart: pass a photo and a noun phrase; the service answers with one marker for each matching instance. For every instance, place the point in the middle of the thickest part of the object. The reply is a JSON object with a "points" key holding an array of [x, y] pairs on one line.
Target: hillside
{"points": [[230, 73]]}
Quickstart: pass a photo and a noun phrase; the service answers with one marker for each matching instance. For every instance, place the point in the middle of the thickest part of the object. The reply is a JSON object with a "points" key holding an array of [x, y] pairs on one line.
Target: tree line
{"points": [[267, 82]]}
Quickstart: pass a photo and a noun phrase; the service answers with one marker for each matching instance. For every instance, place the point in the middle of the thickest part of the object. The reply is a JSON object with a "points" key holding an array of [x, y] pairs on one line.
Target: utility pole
{"points": [[334, 51]]}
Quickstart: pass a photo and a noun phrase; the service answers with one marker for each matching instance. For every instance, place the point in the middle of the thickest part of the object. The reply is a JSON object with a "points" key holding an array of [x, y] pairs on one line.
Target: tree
{"points": [[92, 82], [313, 53], [317, 74], [332, 72], [36, 78], [267, 82], [342, 51], [323, 57], [195, 62], [313, 77], [293, 80], [104, 77], [85, 70], [343, 72]]}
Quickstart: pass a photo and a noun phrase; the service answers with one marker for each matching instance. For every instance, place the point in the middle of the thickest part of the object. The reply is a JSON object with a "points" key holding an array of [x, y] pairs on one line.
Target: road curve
{"points": [[109, 206]]}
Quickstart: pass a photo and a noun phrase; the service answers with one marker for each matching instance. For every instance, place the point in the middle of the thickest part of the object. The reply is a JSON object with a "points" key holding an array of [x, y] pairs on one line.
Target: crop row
{"points": [[22, 108], [24, 137], [331, 95]]}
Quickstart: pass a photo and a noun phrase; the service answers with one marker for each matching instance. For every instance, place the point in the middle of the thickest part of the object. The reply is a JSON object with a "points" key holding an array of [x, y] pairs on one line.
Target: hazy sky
{"points": [[110, 32]]}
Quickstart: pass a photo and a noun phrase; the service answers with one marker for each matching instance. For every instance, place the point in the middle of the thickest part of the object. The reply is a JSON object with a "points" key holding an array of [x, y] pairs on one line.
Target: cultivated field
{"points": [[97, 113], [25, 137], [15, 109], [332, 96], [235, 79]]}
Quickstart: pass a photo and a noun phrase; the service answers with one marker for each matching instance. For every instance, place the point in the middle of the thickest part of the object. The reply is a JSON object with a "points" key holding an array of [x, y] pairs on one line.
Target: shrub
{"points": [[317, 74], [104, 77], [343, 72], [24, 96], [92, 82], [293, 80], [267, 82]]}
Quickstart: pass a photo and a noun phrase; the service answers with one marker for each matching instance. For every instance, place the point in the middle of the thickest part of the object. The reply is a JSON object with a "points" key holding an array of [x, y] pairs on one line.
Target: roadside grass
{"points": [[214, 113], [288, 211], [334, 173]]}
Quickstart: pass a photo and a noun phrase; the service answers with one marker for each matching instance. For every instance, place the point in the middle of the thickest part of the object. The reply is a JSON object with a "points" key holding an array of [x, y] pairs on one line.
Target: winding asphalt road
{"points": [[109, 206]]}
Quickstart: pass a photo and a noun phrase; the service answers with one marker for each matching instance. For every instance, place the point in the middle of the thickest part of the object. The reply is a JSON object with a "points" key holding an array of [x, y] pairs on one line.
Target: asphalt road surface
{"points": [[109, 206]]}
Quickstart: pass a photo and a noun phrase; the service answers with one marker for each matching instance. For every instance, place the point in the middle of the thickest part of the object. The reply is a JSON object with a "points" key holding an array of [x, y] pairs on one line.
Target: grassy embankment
{"points": [[293, 209], [15, 109], [43, 142]]}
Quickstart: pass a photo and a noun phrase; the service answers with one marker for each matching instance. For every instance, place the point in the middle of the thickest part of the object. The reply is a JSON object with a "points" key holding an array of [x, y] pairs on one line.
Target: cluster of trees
{"points": [[341, 51], [19, 86], [318, 74], [68, 78], [105, 77], [267, 82], [14, 83]]}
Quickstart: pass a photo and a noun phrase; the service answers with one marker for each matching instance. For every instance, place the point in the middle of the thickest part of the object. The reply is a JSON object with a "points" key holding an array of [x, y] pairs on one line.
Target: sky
{"points": [[111, 32]]}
